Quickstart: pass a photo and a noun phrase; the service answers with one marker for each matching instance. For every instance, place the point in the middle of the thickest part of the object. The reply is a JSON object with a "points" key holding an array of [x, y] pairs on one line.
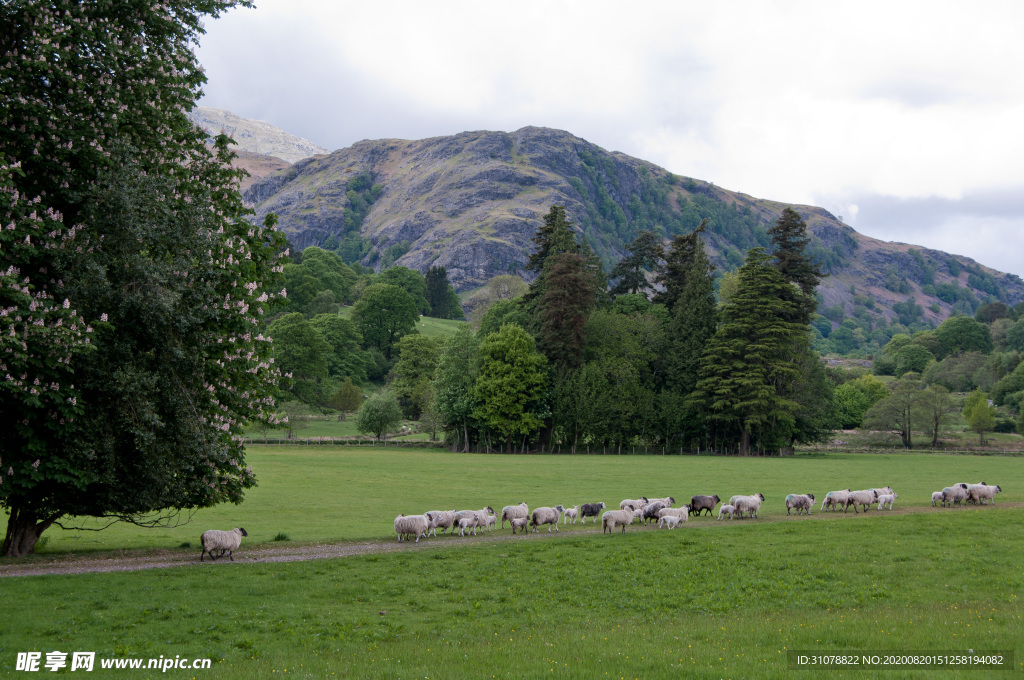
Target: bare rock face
{"points": [[254, 136]]}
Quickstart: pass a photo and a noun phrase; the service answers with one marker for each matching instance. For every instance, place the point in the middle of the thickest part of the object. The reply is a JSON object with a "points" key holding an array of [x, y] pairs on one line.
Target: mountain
{"points": [[473, 201], [255, 136]]}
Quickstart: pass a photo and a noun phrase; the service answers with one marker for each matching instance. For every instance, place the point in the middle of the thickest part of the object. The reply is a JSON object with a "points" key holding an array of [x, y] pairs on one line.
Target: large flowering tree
{"points": [[132, 284]]}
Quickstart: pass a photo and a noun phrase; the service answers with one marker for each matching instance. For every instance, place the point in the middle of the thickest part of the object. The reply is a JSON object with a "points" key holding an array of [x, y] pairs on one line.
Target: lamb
{"points": [[979, 493], [519, 523], [407, 526], [700, 503], [638, 503], [936, 497], [616, 518], [590, 510], [682, 513], [883, 491], [224, 541], [670, 521], [749, 504], [638, 514], [887, 499], [442, 518], [491, 521], [954, 495], [468, 522], [802, 501], [547, 516], [727, 510], [862, 498], [511, 512], [480, 516], [650, 511], [834, 499], [572, 513]]}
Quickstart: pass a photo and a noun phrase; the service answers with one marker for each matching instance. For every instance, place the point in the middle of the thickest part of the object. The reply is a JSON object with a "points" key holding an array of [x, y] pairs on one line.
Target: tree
{"points": [[383, 315], [417, 362], [897, 411], [346, 358], [409, 280], [130, 275], [453, 388], [855, 397], [320, 271], [935, 405], [912, 358], [444, 302], [569, 296], [677, 265], [379, 414], [959, 334], [630, 273], [979, 414], [694, 316], [348, 397], [511, 388], [501, 313], [302, 355]]}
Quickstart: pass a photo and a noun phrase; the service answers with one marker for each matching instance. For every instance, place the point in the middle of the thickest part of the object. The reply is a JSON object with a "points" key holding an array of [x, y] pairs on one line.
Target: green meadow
{"points": [[710, 599]]}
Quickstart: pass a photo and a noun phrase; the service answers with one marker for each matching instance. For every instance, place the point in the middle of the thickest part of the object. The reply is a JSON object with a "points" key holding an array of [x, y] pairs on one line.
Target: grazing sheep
{"points": [[572, 513], [615, 518], [727, 510], [407, 526], [224, 541], [547, 516], [590, 510], [668, 501], [682, 513], [936, 497], [979, 493], [650, 511], [749, 504], [670, 521], [511, 512], [700, 503], [835, 499], [954, 495], [862, 498], [445, 519], [887, 499], [519, 523], [638, 503], [801, 501]]}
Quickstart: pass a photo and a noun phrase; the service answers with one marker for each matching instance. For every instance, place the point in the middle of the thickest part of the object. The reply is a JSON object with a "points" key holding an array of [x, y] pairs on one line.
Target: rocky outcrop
{"points": [[254, 136]]}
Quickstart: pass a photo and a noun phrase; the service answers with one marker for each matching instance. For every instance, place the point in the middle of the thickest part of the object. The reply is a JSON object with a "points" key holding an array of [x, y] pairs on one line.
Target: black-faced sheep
{"points": [[801, 502], [698, 504], [954, 495], [547, 516], [633, 503], [835, 499], [749, 504], [222, 541], [650, 511], [980, 493], [863, 498], [407, 526], [590, 510]]}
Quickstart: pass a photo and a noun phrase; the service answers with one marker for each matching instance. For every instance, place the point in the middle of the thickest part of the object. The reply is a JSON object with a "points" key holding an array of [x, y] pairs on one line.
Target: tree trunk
{"points": [[23, 530], [745, 443]]}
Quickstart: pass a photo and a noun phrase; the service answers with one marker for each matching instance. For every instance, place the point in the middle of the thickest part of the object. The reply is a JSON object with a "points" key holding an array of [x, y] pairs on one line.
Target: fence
{"points": [[340, 441]]}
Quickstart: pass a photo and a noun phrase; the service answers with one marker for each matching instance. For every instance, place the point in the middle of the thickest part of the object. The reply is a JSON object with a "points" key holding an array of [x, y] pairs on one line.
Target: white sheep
{"points": [[407, 526], [670, 521], [979, 493], [667, 500], [491, 522], [224, 541], [479, 516], [682, 513], [864, 498], [616, 518], [547, 516], [519, 523], [511, 512], [572, 513], [884, 491], [749, 504], [445, 519], [936, 497], [638, 514], [834, 499], [954, 495], [727, 510], [887, 499], [468, 522], [638, 503], [799, 501]]}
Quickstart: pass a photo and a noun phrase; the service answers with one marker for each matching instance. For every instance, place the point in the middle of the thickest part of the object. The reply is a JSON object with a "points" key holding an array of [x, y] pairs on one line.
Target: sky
{"points": [[904, 118]]}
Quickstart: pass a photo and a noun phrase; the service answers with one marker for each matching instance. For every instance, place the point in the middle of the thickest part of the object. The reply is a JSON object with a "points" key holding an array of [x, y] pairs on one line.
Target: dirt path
{"points": [[135, 560]]}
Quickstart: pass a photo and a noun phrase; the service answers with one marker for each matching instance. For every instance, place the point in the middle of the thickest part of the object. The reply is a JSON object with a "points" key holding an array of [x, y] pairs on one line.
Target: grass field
{"points": [[711, 599]]}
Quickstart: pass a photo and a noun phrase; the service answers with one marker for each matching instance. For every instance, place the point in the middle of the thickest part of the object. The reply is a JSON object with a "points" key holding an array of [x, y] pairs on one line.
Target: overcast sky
{"points": [[905, 118]]}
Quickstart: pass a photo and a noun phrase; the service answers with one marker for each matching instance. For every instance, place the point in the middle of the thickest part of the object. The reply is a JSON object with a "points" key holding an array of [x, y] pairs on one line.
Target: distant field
{"points": [[428, 326], [712, 599]]}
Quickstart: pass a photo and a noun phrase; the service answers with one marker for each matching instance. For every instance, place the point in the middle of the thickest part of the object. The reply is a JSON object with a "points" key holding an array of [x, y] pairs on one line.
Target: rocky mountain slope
{"points": [[255, 136], [473, 201]]}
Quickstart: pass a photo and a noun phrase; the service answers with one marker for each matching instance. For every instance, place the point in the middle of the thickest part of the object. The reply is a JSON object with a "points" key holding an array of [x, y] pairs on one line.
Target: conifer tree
{"points": [[630, 273], [677, 264], [789, 247]]}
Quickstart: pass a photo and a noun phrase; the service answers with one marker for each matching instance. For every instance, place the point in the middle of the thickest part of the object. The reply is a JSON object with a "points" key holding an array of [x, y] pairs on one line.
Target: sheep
{"points": [[979, 493], [468, 522], [970, 486], [410, 525], [727, 510], [668, 501], [572, 513], [480, 516], [802, 501], [936, 497], [954, 495], [835, 499], [547, 516], [749, 504], [638, 514], [650, 511], [887, 490], [682, 513], [491, 521], [700, 503], [670, 521], [590, 510], [224, 541], [862, 498], [735, 500], [638, 503], [520, 523], [442, 518], [615, 518], [887, 499], [511, 512]]}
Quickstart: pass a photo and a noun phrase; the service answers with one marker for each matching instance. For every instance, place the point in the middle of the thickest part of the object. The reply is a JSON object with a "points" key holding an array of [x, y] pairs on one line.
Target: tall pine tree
{"points": [[789, 247], [630, 273]]}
